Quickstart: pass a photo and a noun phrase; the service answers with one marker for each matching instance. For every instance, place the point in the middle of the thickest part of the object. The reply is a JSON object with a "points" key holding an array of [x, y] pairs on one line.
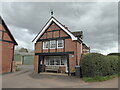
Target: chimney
{"points": [[65, 27]]}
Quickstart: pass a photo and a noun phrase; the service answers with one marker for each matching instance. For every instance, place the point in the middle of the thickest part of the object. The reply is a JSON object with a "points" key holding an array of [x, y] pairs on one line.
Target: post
{"points": [[68, 65]]}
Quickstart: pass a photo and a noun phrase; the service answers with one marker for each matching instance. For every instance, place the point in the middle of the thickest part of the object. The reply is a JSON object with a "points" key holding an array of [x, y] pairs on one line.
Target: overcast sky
{"points": [[98, 21]]}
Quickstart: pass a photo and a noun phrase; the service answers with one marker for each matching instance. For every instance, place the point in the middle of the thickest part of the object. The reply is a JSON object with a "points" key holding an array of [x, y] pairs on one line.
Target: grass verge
{"points": [[100, 78]]}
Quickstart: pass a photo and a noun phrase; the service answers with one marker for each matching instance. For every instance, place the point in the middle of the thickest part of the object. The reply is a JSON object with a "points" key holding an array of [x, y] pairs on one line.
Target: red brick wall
{"points": [[79, 50], [7, 53], [7, 56], [70, 46], [36, 63]]}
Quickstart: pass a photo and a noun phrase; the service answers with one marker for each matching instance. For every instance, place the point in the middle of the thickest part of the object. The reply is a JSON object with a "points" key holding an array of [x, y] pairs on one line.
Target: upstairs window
{"points": [[46, 45], [60, 44], [53, 44]]}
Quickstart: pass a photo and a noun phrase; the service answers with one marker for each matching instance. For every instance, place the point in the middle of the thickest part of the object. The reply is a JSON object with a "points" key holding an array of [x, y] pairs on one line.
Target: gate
{"points": [[28, 60]]}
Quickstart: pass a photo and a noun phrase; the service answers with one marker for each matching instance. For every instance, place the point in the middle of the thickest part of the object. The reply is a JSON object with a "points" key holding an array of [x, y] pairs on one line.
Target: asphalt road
{"points": [[25, 78]]}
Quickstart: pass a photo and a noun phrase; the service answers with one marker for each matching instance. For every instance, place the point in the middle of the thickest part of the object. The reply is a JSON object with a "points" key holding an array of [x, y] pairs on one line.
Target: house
{"points": [[7, 44], [85, 49], [57, 48]]}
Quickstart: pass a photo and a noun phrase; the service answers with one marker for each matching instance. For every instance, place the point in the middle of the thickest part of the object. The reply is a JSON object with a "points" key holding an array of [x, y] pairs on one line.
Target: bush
{"points": [[113, 64], [95, 64], [115, 54]]}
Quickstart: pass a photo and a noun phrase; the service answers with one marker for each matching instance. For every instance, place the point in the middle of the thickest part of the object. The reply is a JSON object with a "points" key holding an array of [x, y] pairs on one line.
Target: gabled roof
{"points": [[85, 45], [8, 31], [52, 19]]}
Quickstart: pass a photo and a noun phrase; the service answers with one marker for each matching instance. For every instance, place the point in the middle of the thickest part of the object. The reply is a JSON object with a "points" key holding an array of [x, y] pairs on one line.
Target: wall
{"points": [[69, 46], [6, 51], [7, 56]]}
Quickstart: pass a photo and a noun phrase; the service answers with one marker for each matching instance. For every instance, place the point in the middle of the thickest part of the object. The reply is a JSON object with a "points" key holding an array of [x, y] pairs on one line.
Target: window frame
{"points": [[50, 44], [49, 59], [62, 42], [56, 44], [44, 44]]}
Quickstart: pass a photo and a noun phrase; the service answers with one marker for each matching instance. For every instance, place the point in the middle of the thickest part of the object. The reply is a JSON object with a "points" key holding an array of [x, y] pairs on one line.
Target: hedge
{"points": [[112, 64], [115, 54], [95, 64]]}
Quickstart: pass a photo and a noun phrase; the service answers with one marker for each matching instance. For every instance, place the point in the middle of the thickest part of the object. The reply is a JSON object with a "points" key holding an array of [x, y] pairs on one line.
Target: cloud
{"points": [[98, 21], [23, 37]]}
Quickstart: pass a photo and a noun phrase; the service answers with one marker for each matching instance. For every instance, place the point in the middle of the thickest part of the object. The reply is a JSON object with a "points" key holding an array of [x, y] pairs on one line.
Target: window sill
{"points": [[56, 65], [53, 48]]}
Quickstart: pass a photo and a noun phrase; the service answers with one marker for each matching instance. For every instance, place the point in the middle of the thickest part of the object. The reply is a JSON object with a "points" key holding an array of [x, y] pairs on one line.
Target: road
{"points": [[25, 78]]}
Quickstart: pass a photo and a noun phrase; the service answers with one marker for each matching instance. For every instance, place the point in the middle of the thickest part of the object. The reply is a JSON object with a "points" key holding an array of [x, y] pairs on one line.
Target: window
{"points": [[63, 60], [55, 60], [46, 45], [53, 44], [47, 61], [60, 44], [51, 60]]}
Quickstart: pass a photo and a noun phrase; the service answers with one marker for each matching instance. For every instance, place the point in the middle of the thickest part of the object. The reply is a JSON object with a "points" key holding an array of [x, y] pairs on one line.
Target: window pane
{"points": [[46, 44], [51, 61], [57, 60], [46, 60], [60, 43], [53, 44], [63, 61]]}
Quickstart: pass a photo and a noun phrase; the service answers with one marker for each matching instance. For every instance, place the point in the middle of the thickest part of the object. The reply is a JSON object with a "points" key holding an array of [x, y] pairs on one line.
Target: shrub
{"points": [[95, 64], [113, 64], [115, 54]]}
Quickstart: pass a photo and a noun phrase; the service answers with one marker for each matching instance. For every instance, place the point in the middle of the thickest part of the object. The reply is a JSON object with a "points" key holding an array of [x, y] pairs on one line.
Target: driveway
{"points": [[25, 78]]}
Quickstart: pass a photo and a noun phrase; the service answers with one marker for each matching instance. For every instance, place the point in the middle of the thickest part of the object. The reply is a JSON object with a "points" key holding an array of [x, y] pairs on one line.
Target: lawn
{"points": [[100, 78]]}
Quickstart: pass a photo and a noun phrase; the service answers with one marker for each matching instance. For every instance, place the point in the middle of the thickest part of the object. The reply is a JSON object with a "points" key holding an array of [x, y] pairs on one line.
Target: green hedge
{"points": [[112, 64], [95, 64]]}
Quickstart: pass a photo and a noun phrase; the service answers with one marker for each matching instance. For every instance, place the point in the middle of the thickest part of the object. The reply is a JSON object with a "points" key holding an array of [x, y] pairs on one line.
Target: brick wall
{"points": [[7, 56], [6, 50], [70, 46]]}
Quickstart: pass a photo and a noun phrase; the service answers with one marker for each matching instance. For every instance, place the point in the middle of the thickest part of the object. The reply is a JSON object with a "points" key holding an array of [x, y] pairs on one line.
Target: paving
{"points": [[25, 78]]}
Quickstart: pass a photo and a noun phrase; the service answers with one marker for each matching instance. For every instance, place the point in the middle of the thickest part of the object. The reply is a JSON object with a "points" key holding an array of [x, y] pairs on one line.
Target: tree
{"points": [[23, 50]]}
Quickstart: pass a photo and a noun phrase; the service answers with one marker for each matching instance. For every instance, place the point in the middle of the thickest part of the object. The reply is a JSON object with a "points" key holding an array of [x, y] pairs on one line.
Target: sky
{"points": [[97, 20]]}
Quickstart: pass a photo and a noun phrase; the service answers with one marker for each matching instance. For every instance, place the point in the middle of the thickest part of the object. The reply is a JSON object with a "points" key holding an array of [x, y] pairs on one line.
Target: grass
{"points": [[100, 78]]}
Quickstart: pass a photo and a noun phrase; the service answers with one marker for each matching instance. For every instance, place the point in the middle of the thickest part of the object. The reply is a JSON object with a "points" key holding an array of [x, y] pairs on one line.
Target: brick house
{"points": [[7, 44], [85, 49], [57, 48]]}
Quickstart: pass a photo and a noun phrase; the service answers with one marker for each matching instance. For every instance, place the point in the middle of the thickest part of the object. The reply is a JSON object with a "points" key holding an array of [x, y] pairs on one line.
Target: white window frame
{"points": [[44, 44], [50, 44], [62, 42], [54, 62]]}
